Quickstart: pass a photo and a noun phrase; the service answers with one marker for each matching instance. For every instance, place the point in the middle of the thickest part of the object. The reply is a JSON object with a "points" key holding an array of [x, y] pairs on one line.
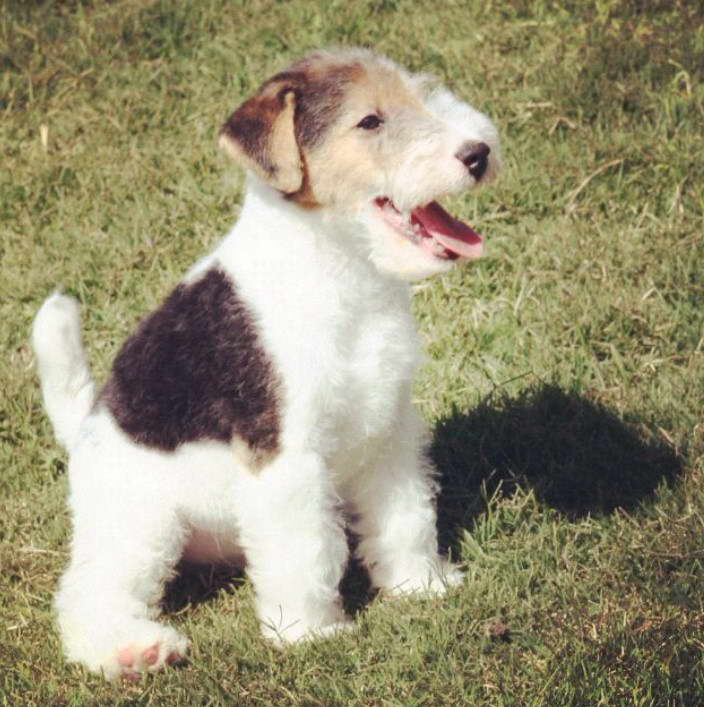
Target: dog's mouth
{"points": [[433, 230]]}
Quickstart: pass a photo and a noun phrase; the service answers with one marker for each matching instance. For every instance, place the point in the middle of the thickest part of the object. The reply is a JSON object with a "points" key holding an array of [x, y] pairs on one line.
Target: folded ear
{"points": [[261, 136]]}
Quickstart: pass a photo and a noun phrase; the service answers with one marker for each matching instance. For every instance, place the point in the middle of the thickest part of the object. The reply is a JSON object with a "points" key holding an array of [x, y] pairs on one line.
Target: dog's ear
{"points": [[261, 136]]}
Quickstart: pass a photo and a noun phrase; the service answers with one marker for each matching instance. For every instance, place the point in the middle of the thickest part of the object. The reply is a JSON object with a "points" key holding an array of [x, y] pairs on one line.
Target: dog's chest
{"points": [[339, 334], [346, 356], [378, 369]]}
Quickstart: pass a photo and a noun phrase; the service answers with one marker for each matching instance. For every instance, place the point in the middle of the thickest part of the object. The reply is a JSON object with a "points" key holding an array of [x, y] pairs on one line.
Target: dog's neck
{"points": [[303, 261], [281, 233]]}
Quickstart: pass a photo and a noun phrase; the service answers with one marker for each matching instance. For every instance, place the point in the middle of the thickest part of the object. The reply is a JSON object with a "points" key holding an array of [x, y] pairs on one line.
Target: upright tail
{"points": [[67, 386]]}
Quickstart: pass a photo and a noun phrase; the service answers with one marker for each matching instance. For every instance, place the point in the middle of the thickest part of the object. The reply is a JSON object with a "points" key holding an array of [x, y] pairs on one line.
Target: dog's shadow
{"points": [[577, 456]]}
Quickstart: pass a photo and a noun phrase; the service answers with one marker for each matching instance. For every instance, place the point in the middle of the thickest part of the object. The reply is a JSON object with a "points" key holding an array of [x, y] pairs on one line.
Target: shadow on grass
{"points": [[195, 584], [577, 456]]}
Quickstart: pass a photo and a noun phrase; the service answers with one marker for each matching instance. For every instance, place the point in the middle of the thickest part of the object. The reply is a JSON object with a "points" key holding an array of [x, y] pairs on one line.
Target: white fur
{"points": [[327, 289]]}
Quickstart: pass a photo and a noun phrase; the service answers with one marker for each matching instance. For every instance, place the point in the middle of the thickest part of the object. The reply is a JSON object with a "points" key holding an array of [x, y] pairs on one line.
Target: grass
{"points": [[565, 373]]}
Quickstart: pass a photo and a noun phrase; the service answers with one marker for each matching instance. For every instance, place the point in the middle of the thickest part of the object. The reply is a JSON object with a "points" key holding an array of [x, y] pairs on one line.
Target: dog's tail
{"points": [[67, 386]]}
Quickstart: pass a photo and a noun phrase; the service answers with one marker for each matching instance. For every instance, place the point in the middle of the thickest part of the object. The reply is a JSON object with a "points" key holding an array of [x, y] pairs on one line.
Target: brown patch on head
{"points": [[320, 87], [260, 134], [272, 131], [347, 160]]}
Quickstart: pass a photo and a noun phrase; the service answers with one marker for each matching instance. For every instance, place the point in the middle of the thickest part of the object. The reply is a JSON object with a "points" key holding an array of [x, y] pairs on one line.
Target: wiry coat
{"points": [[267, 402]]}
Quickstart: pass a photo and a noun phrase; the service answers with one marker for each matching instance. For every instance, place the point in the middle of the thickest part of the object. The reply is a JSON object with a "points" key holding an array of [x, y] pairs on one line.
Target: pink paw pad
{"points": [[151, 655], [131, 664], [125, 657]]}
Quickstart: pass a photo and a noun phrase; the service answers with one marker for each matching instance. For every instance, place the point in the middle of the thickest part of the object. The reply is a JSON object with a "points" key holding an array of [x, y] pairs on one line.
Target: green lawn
{"points": [[565, 371]]}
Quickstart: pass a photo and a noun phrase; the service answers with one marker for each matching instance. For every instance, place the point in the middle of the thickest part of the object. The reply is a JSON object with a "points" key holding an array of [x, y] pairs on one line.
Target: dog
{"points": [[265, 406]]}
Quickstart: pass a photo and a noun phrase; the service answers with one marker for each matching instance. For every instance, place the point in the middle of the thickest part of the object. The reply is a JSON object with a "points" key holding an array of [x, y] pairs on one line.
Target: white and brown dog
{"points": [[267, 403]]}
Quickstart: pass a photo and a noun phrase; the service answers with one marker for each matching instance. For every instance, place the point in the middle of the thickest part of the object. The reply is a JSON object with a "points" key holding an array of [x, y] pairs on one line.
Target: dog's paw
{"points": [[135, 648], [431, 582], [450, 575], [296, 633], [142, 656], [328, 631]]}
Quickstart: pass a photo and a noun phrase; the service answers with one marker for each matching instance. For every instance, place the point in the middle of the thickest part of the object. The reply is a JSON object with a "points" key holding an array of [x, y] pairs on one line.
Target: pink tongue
{"points": [[455, 235]]}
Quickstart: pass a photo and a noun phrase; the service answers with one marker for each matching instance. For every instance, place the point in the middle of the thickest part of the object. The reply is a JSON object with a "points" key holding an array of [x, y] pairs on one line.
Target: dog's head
{"points": [[352, 133]]}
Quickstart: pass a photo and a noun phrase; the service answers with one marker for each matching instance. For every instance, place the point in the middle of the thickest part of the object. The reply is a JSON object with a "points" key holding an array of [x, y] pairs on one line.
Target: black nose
{"points": [[475, 157]]}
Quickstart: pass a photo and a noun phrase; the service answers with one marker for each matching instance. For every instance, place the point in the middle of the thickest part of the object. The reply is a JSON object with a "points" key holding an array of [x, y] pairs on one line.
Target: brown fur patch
{"points": [[304, 197], [320, 89], [343, 161], [260, 133], [290, 114], [195, 369]]}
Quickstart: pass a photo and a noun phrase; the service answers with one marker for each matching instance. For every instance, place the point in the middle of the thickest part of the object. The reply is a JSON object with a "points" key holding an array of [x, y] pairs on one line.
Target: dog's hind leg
{"points": [[395, 517], [127, 539]]}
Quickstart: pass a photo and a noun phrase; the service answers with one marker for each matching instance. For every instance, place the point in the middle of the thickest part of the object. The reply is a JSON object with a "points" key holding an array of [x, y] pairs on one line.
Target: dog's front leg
{"points": [[296, 548], [394, 503]]}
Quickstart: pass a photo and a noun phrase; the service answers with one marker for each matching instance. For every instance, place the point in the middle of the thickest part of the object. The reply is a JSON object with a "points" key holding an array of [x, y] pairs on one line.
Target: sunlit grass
{"points": [[565, 372]]}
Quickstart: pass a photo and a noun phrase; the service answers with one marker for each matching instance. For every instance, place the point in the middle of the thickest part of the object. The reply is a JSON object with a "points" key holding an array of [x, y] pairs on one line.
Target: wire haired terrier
{"points": [[266, 404]]}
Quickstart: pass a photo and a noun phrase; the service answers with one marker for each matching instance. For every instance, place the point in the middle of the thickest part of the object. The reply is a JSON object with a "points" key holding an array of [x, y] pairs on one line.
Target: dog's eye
{"points": [[370, 122]]}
